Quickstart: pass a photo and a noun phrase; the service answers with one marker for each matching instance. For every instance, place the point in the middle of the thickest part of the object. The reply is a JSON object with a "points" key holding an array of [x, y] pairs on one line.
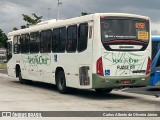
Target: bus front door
{"points": [[155, 71]]}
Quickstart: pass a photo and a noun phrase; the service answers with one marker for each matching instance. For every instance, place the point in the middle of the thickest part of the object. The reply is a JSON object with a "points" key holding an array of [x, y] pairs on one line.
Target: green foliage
{"points": [[3, 39], [15, 28], [84, 13], [31, 21], [23, 26]]}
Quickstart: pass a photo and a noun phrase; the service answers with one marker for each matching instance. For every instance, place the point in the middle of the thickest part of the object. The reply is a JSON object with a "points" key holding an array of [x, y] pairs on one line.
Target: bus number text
{"points": [[125, 67]]}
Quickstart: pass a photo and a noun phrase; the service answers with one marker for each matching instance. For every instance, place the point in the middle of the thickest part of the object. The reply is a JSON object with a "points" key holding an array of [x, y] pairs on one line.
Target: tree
{"points": [[84, 13], [23, 26], [3, 39], [15, 28], [30, 21]]}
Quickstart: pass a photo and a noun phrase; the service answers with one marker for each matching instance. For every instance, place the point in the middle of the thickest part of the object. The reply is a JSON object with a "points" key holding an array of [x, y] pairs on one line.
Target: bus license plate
{"points": [[125, 82]]}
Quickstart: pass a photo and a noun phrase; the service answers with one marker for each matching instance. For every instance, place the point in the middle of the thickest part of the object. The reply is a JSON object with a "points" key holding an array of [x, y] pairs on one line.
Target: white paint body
{"points": [[71, 62]]}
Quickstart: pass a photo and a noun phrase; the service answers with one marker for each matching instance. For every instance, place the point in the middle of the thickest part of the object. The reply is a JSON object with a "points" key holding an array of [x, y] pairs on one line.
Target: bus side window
{"points": [[46, 37], [90, 32], [62, 39], [25, 43], [16, 46], [71, 38], [82, 37], [34, 42], [55, 40], [59, 40]]}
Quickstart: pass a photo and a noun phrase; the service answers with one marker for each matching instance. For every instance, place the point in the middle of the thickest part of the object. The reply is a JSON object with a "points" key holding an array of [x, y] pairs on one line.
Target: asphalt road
{"points": [[3, 71], [36, 96], [149, 90]]}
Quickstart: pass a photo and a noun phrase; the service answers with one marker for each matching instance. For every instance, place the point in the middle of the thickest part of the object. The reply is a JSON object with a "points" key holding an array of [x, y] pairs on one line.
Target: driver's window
{"points": [[9, 50]]}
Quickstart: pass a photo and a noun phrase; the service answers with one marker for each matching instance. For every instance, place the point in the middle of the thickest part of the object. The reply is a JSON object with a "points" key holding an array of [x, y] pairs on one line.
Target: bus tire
{"points": [[61, 82], [103, 90], [21, 80]]}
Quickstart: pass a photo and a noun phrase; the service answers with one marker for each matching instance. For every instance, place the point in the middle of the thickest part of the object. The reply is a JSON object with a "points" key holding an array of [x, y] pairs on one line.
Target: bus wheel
{"points": [[61, 82], [21, 80], [103, 90]]}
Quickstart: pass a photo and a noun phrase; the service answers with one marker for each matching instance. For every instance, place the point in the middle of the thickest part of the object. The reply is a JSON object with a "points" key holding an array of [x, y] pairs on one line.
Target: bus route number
{"points": [[140, 25]]}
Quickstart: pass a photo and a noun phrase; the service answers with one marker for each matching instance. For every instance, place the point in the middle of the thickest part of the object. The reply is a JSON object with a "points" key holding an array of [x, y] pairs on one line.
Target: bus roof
{"points": [[48, 24], [155, 38]]}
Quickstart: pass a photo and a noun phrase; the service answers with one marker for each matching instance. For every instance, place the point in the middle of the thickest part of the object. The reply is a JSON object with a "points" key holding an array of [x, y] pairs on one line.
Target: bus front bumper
{"points": [[116, 82]]}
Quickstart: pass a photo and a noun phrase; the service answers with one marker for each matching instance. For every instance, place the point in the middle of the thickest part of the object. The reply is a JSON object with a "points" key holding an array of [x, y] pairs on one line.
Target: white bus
{"points": [[99, 51]]}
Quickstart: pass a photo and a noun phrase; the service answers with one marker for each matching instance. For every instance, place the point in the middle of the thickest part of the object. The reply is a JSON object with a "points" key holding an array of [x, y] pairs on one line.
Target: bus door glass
{"points": [[155, 71], [9, 50]]}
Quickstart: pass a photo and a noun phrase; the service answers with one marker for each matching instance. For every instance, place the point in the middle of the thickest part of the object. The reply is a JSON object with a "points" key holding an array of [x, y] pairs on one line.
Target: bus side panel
{"points": [[85, 70], [96, 43], [28, 66], [12, 61], [85, 60], [155, 71], [78, 66], [71, 64], [11, 65], [10, 70]]}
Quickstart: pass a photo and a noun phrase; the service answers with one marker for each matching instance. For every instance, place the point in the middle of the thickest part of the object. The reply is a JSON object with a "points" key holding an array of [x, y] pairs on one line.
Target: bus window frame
{"points": [[69, 43]]}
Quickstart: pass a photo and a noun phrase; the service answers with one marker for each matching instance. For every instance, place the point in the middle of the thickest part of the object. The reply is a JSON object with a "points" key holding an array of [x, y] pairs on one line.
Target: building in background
{"points": [[3, 55]]}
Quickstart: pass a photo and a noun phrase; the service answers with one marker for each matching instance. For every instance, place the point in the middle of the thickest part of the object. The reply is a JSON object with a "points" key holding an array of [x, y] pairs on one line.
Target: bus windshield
{"points": [[124, 31]]}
